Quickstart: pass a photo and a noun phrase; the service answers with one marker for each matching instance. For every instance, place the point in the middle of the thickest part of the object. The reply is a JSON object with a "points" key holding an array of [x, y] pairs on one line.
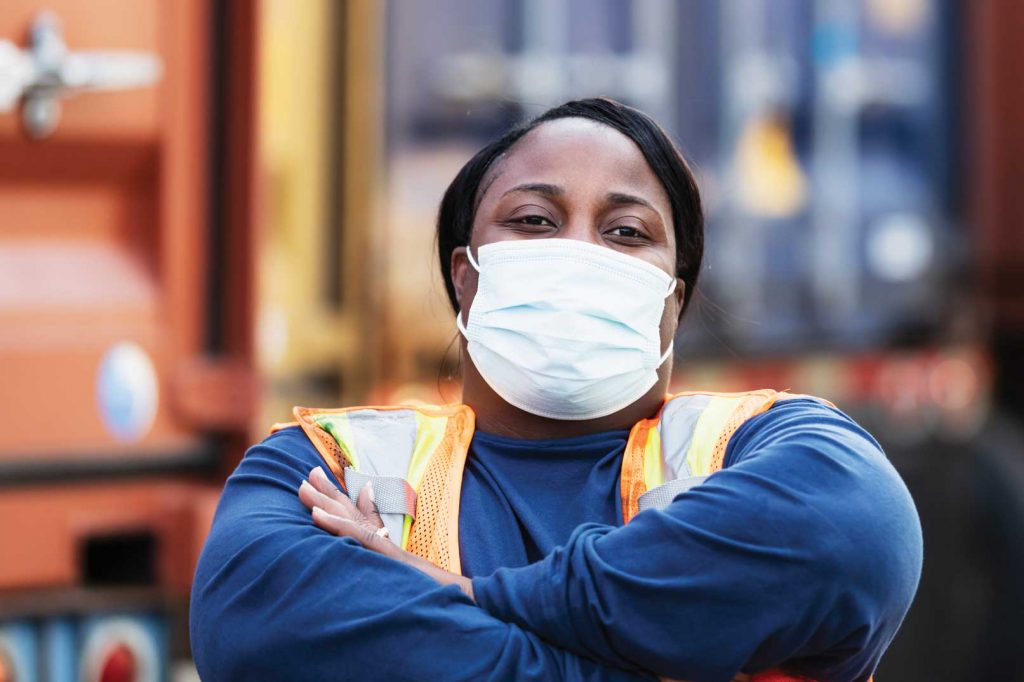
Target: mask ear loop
{"points": [[668, 353], [476, 266], [458, 315], [672, 343]]}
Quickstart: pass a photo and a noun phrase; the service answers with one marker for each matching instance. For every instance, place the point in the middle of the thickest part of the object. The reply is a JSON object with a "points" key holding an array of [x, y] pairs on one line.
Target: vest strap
{"points": [[662, 496], [391, 494]]}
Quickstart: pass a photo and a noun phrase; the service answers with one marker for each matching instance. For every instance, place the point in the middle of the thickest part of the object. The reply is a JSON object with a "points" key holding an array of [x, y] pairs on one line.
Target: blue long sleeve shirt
{"points": [[806, 549]]}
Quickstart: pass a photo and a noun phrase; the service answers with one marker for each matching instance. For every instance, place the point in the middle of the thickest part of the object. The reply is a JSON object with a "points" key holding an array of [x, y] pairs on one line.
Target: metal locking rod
{"points": [[47, 72]]}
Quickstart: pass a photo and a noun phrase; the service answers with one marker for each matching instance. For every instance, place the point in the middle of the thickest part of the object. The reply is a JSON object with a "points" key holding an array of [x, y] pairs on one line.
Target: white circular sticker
{"points": [[900, 247], [127, 391]]}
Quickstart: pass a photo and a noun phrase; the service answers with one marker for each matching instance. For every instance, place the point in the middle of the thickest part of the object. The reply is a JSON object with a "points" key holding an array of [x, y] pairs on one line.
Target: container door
{"points": [[109, 231]]}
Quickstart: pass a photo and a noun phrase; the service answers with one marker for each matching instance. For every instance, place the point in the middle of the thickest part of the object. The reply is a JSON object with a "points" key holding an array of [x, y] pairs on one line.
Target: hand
{"points": [[334, 512]]}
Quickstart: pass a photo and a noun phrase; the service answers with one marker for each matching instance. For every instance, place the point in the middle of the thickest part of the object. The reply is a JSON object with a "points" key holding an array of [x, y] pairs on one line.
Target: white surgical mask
{"points": [[565, 329]]}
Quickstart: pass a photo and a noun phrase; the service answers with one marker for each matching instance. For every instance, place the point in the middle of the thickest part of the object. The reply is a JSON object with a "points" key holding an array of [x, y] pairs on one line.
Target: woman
{"points": [[770, 532]]}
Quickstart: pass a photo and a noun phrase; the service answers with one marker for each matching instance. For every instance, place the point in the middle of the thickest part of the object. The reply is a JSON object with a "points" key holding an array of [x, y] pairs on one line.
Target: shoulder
{"points": [[809, 509], [285, 457], [806, 444], [803, 419], [285, 437], [828, 465], [290, 442]]}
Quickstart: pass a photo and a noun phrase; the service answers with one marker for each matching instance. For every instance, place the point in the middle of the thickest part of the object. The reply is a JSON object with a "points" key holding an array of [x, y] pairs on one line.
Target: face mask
{"points": [[565, 329]]}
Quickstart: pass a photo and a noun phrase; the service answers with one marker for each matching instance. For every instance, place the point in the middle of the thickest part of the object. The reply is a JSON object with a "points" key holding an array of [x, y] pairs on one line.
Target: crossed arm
{"points": [[805, 551]]}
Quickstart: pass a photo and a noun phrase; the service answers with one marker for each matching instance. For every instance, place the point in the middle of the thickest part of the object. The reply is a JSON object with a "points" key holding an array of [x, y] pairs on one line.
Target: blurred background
{"points": [[211, 211]]}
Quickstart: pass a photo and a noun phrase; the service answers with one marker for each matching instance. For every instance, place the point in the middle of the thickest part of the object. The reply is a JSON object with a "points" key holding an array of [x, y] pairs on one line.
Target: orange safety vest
{"points": [[415, 455]]}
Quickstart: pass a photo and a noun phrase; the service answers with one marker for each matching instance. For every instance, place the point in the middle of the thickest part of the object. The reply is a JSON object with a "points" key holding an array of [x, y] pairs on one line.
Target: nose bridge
{"points": [[583, 227]]}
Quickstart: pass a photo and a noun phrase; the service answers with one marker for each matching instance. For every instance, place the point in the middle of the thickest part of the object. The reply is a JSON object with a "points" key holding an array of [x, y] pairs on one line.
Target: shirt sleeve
{"points": [[276, 598], [805, 551]]}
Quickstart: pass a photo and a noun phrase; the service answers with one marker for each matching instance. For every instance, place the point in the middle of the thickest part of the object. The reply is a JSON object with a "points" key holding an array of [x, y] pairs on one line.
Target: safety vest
{"points": [[415, 456]]}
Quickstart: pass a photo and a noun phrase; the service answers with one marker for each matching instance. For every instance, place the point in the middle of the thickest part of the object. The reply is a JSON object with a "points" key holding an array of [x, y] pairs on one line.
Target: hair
{"points": [[459, 205]]}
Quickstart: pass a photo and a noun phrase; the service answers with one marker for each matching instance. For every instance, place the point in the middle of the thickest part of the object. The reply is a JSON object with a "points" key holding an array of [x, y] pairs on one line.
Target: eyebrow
{"points": [[537, 187], [548, 190], [620, 199]]}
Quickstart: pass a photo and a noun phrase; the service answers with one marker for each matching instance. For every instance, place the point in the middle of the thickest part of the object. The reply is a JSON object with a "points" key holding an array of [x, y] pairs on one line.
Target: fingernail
{"points": [[304, 484], [369, 492]]}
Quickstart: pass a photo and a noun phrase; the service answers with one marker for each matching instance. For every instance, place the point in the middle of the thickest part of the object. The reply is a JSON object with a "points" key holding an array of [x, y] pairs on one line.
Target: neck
{"points": [[494, 415]]}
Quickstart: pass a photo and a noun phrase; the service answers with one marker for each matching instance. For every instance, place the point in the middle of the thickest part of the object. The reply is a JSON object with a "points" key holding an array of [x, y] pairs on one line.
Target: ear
{"points": [[680, 294], [459, 267]]}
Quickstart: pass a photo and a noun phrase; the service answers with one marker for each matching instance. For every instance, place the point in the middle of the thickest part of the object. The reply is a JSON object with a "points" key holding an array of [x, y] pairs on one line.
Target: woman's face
{"points": [[574, 178]]}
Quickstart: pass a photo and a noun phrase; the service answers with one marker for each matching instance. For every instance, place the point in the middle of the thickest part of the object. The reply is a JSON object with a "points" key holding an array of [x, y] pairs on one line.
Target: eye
{"points": [[628, 232], [532, 220]]}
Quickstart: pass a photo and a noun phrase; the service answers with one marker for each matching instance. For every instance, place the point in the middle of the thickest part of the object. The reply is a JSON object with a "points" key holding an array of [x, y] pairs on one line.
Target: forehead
{"points": [[578, 152]]}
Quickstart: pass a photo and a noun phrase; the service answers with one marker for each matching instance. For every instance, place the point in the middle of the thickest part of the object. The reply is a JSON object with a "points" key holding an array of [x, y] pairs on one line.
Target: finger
{"points": [[322, 482], [340, 526], [311, 497], [360, 532], [318, 478], [368, 506]]}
